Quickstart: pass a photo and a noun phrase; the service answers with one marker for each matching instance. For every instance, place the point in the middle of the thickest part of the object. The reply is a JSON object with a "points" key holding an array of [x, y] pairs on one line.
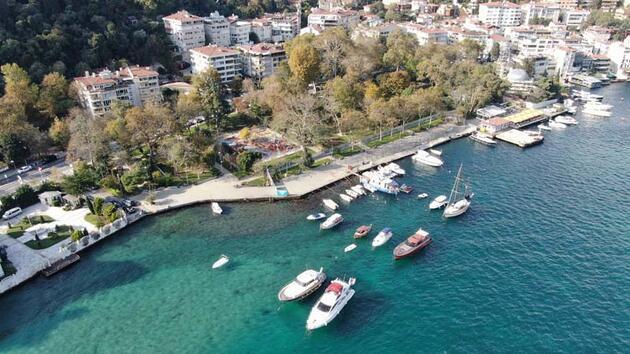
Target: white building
{"points": [[575, 18], [284, 26], [333, 18], [380, 31], [135, 85], [263, 29], [185, 30], [619, 54], [595, 34], [217, 29], [426, 35], [532, 47], [500, 14], [532, 11], [225, 61], [239, 30], [564, 57], [519, 81], [262, 59]]}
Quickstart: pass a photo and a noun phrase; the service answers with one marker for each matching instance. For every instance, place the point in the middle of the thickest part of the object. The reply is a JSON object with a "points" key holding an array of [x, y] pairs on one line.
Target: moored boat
{"points": [[427, 159], [483, 139], [350, 247], [459, 201], [332, 221], [382, 237], [329, 203], [330, 304], [358, 189], [362, 231], [436, 152], [543, 126], [394, 167], [352, 193], [303, 285], [220, 262], [423, 195], [556, 125], [216, 208], [566, 120], [406, 189], [317, 216], [412, 244], [345, 198], [439, 202]]}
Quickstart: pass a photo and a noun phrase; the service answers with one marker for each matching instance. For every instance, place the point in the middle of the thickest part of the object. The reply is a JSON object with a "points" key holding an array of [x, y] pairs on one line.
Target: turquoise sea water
{"points": [[541, 263]]}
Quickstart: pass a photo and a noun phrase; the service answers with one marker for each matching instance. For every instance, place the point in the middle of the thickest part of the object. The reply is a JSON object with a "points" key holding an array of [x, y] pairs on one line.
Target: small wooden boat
{"points": [[329, 203], [317, 216], [216, 208], [362, 231], [303, 285], [423, 195], [349, 248], [412, 244], [220, 262], [406, 189]]}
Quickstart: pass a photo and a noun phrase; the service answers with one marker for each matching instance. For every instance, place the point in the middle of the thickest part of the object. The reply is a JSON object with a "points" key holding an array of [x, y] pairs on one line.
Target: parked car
{"points": [[24, 169], [11, 213]]}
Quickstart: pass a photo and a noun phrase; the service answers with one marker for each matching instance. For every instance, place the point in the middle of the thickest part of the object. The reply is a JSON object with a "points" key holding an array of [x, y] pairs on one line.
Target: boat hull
{"points": [[400, 253], [450, 213], [321, 278], [310, 325]]}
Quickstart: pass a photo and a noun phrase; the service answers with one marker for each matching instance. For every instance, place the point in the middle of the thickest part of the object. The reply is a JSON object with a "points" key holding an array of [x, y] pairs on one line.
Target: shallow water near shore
{"points": [[540, 263]]}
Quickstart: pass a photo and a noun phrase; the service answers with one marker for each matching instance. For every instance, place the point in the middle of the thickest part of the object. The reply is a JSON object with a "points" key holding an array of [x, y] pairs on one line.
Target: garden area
{"points": [[61, 233], [101, 213], [17, 230]]}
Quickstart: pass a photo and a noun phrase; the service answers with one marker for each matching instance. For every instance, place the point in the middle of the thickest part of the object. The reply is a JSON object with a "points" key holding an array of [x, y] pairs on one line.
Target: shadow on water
{"points": [[26, 303]]}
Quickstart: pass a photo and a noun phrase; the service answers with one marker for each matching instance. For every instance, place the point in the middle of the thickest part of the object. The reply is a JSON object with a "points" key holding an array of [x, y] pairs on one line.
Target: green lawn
{"points": [[17, 230], [63, 233], [96, 220], [256, 182], [322, 162], [349, 151]]}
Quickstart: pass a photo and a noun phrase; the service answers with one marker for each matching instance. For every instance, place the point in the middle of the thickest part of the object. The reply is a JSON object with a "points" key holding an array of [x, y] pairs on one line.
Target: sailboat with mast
{"points": [[460, 199]]}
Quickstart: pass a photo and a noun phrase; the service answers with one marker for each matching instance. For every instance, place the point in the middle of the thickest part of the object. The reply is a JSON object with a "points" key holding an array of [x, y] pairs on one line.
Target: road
{"points": [[9, 180]]}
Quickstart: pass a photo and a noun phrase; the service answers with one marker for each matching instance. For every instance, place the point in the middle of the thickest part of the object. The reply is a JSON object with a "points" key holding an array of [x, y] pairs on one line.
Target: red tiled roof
{"points": [[182, 16], [213, 50], [497, 37], [498, 121], [262, 48], [94, 80], [138, 71]]}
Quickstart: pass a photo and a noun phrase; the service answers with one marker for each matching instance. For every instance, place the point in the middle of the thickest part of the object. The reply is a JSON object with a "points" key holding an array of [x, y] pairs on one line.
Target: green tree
{"points": [[207, 93], [53, 96], [304, 60], [392, 84], [59, 133], [495, 51], [401, 47], [82, 180], [76, 235], [333, 46], [98, 205]]}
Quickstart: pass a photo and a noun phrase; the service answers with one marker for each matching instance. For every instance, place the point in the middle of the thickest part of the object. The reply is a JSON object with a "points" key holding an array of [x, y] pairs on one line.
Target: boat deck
{"points": [[518, 138]]}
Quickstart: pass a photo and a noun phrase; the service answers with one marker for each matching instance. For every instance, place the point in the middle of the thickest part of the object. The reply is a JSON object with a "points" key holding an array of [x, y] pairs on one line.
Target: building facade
{"points": [[333, 18], [500, 14], [225, 61], [134, 85], [619, 54], [239, 30], [217, 29], [185, 30], [262, 59]]}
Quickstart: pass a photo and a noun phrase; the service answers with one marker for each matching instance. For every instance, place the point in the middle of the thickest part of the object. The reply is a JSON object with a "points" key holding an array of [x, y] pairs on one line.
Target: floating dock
{"points": [[519, 138], [61, 264]]}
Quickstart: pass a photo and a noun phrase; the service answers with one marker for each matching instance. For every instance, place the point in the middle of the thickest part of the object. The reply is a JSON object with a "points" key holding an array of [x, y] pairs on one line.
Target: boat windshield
{"points": [[301, 283], [412, 243], [323, 307]]}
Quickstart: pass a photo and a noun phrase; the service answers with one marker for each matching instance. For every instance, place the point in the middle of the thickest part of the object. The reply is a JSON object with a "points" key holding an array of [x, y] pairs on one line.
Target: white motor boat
{"points": [[216, 208], [332, 221], [345, 198], [566, 120], [220, 262], [317, 216], [369, 187], [394, 167], [336, 296], [436, 152], [352, 193], [423, 195], [303, 285], [543, 126], [556, 125], [483, 139], [597, 109], [439, 202], [350, 247], [329, 203], [460, 199], [382, 237], [358, 189], [427, 159]]}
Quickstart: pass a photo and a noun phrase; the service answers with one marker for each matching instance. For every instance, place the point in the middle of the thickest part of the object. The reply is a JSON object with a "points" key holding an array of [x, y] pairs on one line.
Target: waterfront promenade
{"points": [[229, 189]]}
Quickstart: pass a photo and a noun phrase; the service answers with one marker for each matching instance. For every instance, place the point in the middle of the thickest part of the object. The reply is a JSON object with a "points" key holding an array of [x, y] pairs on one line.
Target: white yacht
{"points": [[556, 125], [352, 193], [382, 237], [570, 106], [346, 198], [436, 152], [459, 201], [394, 167], [216, 208], [439, 202], [303, 285], [597, 109], [332, 221], [358, 189], [427, 159], [483, 139], [544, 126], [566, 120], [223, 260], [336, 296], [329, 203]]}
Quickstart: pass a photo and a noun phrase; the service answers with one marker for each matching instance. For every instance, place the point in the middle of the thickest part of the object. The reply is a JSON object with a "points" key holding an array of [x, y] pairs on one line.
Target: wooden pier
{"points": [[61, 264], [519, 138]]}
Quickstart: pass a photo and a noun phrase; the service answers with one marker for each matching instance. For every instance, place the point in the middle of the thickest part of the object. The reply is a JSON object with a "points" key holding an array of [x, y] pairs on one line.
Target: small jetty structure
{"points": [[519, 138], [61, 264]]}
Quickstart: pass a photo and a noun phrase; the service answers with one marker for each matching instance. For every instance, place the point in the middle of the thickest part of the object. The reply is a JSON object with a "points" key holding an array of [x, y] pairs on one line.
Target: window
{"points": [[323, 307]]}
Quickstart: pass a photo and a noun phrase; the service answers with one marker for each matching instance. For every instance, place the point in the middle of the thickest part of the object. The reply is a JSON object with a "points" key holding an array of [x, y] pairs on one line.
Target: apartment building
{"points": [[217, 29], [379, 31], [185, 30], [225, 61], [426, 35], [333, 18], [262, 59], [538, 11], [336, 4], [565, 4], [459, 34], [619, 54], [284, 27], [239, 30], [263, 29], [500, 14], [608, 5], [597, 34], [532, 47], [575, 18], [564, 57], [135, 85]]}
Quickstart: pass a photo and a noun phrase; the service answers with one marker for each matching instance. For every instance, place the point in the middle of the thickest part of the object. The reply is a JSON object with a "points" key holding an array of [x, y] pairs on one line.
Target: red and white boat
{"points": [[413, 244]]}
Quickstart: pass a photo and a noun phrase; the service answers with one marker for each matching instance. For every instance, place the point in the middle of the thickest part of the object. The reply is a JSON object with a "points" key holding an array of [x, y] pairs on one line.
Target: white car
{"points": [[24, 168], [12, 213]]}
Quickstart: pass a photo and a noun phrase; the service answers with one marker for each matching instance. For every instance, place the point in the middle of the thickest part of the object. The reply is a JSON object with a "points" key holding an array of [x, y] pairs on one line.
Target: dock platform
{"points": [[519, 138], [61, 264]]}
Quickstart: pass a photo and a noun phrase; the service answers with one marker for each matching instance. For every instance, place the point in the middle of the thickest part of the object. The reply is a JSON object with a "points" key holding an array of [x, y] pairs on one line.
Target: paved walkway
{"points": [[228, 188]]}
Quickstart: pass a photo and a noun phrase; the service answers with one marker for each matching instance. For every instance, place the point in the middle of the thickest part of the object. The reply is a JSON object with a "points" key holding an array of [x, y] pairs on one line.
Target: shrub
{"points": [[53, 234], [76, 235], [98, 205], [307, 159], [109, 212], [244, 133], [245, 160]]}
